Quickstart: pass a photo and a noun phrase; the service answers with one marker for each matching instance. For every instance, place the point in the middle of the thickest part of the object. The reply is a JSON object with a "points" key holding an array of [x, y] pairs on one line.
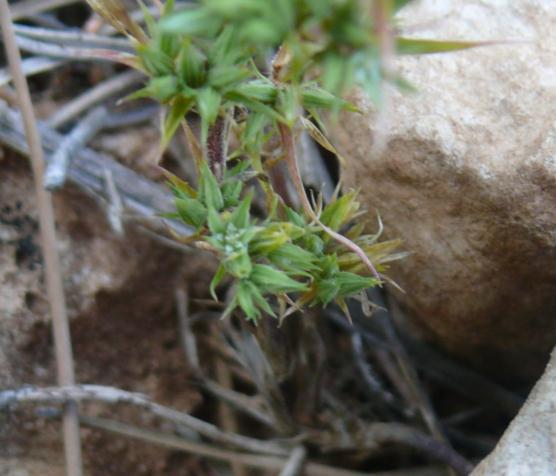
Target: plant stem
{"points": [[293, 168], [55, 289], [216, 148]]}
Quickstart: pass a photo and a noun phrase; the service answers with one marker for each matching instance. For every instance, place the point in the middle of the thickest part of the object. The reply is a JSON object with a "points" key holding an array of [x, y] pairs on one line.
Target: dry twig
{"points": [[115, 207], [294, 465], [139, 195], [243, 403], [372, 383], [268, 463], [113, 395], [77, 38], [55, 289], [57, 169], [93, 96], [31, 66], [188, 340], [227, 417], [70, 52], [378, 434]]}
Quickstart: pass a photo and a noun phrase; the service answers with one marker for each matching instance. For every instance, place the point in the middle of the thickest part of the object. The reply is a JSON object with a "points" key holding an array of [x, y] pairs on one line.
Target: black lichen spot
{"points": [[27, 252], [30, 299]]}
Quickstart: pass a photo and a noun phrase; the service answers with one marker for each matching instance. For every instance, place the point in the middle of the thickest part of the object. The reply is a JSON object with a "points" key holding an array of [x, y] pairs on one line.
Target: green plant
{"points": [[261, 71]]}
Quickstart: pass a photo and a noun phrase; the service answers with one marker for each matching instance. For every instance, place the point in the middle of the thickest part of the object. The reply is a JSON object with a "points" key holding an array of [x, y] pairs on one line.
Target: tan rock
{"points": [[529, 444], [468, 180]]}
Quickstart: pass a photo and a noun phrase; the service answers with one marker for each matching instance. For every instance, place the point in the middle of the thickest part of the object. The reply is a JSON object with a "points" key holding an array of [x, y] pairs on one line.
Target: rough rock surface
{"points": [[529, 444], [120, 295], [468, 180]]}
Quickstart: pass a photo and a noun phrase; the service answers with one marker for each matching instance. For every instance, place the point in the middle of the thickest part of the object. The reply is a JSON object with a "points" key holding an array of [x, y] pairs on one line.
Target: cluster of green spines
{"points": [[206, 57], [214, 58], [272, 257]]}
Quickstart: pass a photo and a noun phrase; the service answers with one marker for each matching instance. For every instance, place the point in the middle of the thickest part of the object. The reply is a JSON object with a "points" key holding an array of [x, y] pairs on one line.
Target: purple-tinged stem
{"points": [[216, 148], [291, 161]]}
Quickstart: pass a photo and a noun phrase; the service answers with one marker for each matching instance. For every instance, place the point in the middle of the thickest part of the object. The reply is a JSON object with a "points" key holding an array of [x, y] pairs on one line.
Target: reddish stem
{"points": [[291, 161], [216, 148]]}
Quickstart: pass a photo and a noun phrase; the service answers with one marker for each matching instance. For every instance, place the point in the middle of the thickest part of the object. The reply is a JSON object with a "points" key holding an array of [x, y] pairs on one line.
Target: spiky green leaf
{"points": [[415, 46], [175, 116], [191, 65], [209, 190], [240, 216], [191, 211], [208, 101], [270, 279]]}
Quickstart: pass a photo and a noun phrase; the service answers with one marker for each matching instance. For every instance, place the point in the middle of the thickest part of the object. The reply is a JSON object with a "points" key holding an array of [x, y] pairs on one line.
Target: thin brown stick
{"points": [[247, 405], [55, 289]]}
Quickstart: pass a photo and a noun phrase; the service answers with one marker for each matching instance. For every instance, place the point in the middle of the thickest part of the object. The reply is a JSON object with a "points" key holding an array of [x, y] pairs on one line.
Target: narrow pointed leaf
{"points": [[180, 185], [240, 216], [191, 65], [208, 101], [273, 280], [149, 20], [191, 211], [209, 191], [215, 223], [321, 139], [245, 301], [414, 46], [168, 7], [175, 117], [191, 21], [216, 280]]}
